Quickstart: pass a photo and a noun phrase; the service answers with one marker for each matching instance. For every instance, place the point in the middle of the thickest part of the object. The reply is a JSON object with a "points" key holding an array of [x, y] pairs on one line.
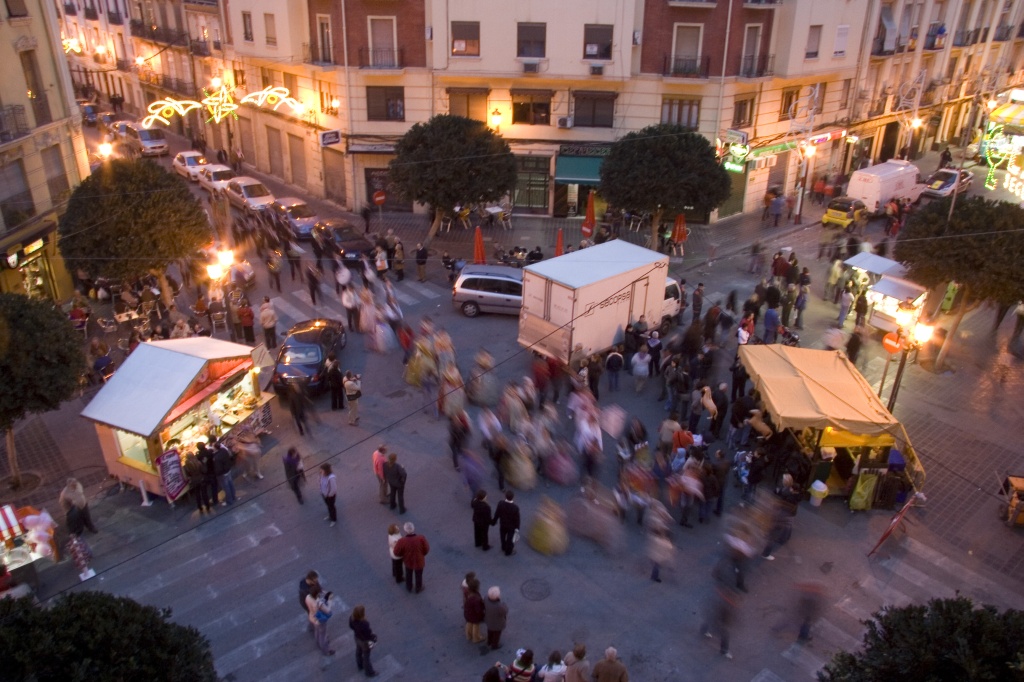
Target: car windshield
{"points": [[195, 160], [345, 234], [151, 135], [89, 109], [300, 211], [222, 175], [255, 190], [301, 355], [840, 205]]}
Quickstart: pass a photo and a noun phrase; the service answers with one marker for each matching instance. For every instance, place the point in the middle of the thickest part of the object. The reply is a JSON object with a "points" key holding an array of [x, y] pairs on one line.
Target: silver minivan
{"points": [[488, 289], [146, 141]]}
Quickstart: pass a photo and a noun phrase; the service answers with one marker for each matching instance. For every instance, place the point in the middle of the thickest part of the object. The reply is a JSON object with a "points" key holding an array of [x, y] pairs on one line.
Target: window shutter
{"points": [[842, 34]]}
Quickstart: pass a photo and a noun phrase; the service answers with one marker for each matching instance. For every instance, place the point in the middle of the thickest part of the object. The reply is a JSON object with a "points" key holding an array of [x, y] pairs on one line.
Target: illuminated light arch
{"points": [[273, 97], [162, 109], [220, 104], [995, 154]]}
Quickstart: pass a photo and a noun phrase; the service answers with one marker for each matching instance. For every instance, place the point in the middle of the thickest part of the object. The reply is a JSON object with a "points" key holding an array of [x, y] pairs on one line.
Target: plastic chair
{"points": [[505, 219], [218, 320], [446, 224]]}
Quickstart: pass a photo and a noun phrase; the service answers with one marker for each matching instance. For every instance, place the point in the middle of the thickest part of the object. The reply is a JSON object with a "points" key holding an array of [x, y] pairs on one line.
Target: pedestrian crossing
{"points": [[912, 573], [297, 306]]}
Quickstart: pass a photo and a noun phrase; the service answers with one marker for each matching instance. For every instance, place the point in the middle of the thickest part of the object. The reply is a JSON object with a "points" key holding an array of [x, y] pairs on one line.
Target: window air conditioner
{"points": [[596, 69], [531, 67], [565, 122]]}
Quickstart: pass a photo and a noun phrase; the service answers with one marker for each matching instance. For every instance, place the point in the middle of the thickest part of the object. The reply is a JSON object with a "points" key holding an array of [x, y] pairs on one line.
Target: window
{"points": [[813, 42], [56, 175], [789, 99], [383, 47], [16, 204], [16, 9], [819, 99], [385, 103], [597, 41], [684, 112], [466, 38], [531, 40], [270, 26], [266, 77], [842, 34], [743, 112], [531, 107], [844, 101], [594, 109], [239, 76], [468, 102], [686, 47], [247, 26], [325, 47], [291, 82]]}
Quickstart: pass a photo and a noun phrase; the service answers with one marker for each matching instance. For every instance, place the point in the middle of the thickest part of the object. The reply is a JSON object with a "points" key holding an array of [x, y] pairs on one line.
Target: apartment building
{"points": [[42, 152], [97, 42]]}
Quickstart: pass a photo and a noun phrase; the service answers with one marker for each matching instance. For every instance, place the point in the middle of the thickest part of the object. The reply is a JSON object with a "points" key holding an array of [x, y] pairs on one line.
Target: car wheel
{"points": [[470, 309], [666, 325]]}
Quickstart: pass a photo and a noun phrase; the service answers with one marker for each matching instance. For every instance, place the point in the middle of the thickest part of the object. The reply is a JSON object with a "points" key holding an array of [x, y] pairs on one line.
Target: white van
{"points": [[876, 185]]}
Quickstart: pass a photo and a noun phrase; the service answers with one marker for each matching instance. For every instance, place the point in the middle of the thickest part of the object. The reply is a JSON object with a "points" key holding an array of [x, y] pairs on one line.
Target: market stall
{"points": [[857, 448], [885, 297], [167, 397]]}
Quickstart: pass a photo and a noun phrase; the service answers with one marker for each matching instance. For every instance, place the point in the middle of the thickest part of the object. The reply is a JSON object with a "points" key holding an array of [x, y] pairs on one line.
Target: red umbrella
{"points": [[679, 232], [479, 256], [589, 221], [559, 243]]}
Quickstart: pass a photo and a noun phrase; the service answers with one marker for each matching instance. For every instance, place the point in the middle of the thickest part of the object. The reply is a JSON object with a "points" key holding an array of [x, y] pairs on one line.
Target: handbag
{"points": [[355, 396]]}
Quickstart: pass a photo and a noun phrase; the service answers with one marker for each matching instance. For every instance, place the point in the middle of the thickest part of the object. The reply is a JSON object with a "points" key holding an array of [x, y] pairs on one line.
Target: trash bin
{"points": [[819, 491]]}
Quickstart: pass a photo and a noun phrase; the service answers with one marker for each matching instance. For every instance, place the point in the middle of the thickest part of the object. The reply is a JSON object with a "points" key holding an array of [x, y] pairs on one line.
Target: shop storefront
{"points": [[167, 397], [885, 298], [31, 265], [533, 185], [577, 173]]}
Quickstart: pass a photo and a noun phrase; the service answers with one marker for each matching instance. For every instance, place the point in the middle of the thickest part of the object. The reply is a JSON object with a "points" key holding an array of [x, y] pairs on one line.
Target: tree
{"points": [[132, 218], [451, 161], [947, 639], [663, 169], [980, 247], [41, 361], [98, 636]]}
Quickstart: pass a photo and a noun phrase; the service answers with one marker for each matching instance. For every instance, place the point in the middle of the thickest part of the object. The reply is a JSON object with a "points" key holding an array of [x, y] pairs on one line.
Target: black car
{"points": [[343, 239], [303, 355]]}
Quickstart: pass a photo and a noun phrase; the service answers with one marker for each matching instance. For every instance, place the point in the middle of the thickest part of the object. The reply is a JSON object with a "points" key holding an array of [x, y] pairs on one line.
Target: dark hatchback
{"points": [[303, 354], [341, 238]]}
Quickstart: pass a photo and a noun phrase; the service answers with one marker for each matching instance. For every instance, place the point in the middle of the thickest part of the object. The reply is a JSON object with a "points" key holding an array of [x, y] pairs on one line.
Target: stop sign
{"points": [[892, 342], [379, 197]]}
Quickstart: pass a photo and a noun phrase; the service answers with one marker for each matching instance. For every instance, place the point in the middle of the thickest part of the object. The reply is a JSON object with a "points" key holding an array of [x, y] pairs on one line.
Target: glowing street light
{"points": [[215, 271], [216, 82], [106, 149], [496, 120], [913, 335], [139, 61], [916, 123], [225, 258]]}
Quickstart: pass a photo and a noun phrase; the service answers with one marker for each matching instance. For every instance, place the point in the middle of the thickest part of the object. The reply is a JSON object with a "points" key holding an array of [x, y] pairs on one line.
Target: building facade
{"points": [[42, 151]]}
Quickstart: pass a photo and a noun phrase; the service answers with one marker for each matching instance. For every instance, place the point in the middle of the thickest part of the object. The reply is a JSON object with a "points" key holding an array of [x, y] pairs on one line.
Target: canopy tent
{"points": [[806, 388], [900, 289], [1011, 114], [876, 265], [152, 380]]}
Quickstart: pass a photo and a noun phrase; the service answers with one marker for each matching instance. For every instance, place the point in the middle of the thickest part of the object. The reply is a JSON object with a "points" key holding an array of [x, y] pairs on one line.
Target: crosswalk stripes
{"points": [[297, 306]]}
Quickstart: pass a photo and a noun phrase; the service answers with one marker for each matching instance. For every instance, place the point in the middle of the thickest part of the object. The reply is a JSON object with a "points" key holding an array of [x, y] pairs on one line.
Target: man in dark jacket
{"points": [[335, 381], [506, 517], [394, 474], [721, 400], [223, 461], [205, 456], [481, 520]]}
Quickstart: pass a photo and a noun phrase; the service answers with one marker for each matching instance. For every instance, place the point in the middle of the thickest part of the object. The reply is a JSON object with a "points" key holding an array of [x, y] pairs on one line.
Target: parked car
{"points": [[188, 164], [294, 217], [215, 177], [488, 289], [842, 211], [146, 141], [303, 353], [940, 184], [90, 112], [248, 194], [342, 239]]}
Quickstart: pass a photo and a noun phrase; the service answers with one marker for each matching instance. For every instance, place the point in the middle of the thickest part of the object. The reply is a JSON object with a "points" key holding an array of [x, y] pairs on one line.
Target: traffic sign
{"points": [[892, 342], [329, 137], [379, 197]]}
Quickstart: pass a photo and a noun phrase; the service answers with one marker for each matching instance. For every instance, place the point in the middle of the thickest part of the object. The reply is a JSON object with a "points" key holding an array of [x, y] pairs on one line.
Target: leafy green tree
{"points": [[97, 636], [980, 247], [945, 640], [41, 361], [451, 161], [131, 218], [662, 170]]}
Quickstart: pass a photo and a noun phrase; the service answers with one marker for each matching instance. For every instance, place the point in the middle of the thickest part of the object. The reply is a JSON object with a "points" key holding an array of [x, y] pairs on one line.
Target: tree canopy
{"points": [[98, 636], [662, 170], [982, 247], [131, 218], [945, 640], [452, 161]]}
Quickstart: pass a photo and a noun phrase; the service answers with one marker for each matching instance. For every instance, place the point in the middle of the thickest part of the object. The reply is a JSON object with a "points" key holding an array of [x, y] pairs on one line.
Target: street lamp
{"points": [[913, 335], [496, 120], [807, 151], [106, 149]]}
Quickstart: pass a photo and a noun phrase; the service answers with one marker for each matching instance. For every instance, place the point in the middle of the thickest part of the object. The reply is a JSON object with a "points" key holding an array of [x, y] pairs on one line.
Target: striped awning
{"points": [[1011, 114]]}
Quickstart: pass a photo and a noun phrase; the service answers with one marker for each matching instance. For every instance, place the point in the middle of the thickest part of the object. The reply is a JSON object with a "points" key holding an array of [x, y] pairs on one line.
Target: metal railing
{"points": [[114, 17], [200, 48], [686, 67], [41, 109], [13, 123], [381, 58], [91, 13], [315, 54], [72, 11], [757, 66], [158, 34], [216, 45], [123, 65], [1003, 33], [761, 3]]}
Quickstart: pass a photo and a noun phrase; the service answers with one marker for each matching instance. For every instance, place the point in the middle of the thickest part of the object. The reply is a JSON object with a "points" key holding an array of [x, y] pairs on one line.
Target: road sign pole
{"points": [[380, 216], [885, 372]]}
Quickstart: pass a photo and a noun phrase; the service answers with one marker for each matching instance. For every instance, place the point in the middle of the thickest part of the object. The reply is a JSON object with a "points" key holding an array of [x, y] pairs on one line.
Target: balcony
{"points": [[317, 55], [72, 11], [216, 45], [12, 122], [158, 34], [91, 13], [123, 65], [761, 4], [182, 87], [200, 48], [878, 107], [41, 109], [757, 66], [381, 58], [692, 3], [878, 48], [114, 18], [686, 67], [1003, 33], [1020, 30]]}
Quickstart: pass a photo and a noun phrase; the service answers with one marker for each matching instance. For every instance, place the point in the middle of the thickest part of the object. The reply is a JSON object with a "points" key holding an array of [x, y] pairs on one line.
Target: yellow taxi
{"points": [[843, 211]]}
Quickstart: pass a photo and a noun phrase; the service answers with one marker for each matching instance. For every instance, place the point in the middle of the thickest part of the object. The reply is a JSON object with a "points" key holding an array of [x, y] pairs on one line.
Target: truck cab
{"points": [[671, 307]]}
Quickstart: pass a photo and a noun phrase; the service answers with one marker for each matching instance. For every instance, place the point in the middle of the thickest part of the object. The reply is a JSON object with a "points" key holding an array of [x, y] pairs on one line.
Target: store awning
{"points": [[807, 388], [153, 379], [876, 265], [900, 289], [1011, 114], [578, 170]]}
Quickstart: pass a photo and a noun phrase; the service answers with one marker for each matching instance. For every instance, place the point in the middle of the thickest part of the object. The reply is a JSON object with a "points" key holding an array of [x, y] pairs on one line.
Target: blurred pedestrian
{"points": [[659, 543], [298, 405], [195, 472], [809, 598], [577, 667], [800, 304], [380, 457], [473, 610], [481, 520], [613, 364], [413, 550], [495, 617], [335, 379], [397, 568], [353, 392], [610, 668], [395, 475], [73, 501], [860, 307], [398, 261], [268, 321], [844, 305], [305, 585], [787, 501], [329, 491], [364, 639], [641, 369], [313, 282], [223, 462], [506, 517], [720, 615], [294, 472], [318, 606], [421, 262], [351, 306]]}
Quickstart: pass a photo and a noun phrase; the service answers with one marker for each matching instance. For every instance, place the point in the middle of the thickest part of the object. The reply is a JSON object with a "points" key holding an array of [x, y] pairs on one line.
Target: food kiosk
{"points": [[858, 450], [167, 397], [885, 297]]}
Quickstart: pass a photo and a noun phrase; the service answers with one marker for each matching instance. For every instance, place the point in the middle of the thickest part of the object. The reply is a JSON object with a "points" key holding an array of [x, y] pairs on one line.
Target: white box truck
{"points": [[877, 184], [589, 296]]}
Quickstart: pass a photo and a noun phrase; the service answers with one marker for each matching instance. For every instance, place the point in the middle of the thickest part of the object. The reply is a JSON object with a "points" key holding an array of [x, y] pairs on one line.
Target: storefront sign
{"points": [[733, 167], [826, 137], [584, 150], [329, 137], [34, 246], [772, 149], [171, 475], [735, 136]]}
